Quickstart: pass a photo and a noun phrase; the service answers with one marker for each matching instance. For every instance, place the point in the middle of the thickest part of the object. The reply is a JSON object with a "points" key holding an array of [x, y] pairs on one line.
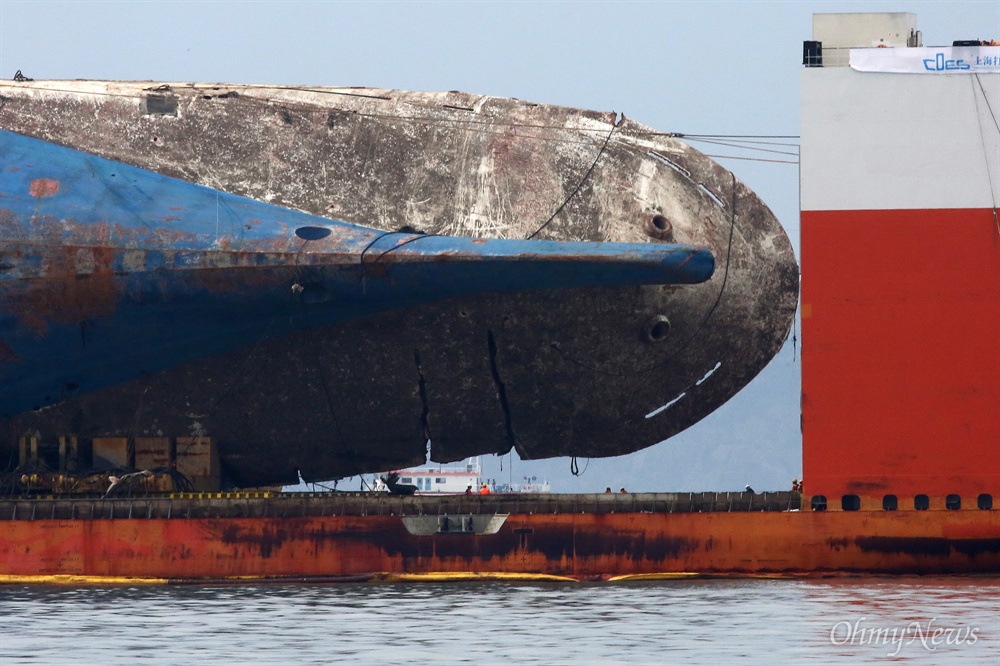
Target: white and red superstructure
{"points": [[900, 182]]}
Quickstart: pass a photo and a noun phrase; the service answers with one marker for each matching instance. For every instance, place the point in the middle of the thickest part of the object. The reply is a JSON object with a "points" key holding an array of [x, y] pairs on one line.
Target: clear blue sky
{"points": [[698, 67]]}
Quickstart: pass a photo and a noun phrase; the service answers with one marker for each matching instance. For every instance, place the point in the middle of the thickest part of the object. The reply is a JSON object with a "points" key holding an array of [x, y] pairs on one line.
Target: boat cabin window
{"points": [[406, 479], [890, 503], [819, 503], [439, 480], [920, 502], [850, 502], [985, 501], [953, 502]]}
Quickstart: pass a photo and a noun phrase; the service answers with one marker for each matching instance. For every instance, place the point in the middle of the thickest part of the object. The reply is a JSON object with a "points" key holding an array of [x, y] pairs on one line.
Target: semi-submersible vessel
{"points": [[236, 285]]}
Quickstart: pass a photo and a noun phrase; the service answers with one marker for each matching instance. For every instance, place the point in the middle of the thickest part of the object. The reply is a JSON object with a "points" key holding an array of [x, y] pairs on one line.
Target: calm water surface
{"points": [[830, 621]]}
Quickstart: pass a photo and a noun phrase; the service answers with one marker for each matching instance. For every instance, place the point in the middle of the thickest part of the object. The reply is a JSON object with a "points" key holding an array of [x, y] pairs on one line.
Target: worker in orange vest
{"points": [[485, 490]]}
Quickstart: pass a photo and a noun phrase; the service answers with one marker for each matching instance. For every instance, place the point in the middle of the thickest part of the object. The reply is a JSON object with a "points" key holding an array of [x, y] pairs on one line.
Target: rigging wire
{"points": [[750, 159], [377, 238], [982, 137], [681, 135], [794, 341], [406, 242], [740, 142], [579, 185], [987, 100], [749, 144], [752, 147], [725, 275]]}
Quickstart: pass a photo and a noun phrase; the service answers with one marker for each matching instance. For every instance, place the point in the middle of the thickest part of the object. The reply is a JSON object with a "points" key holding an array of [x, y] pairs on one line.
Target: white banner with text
{"points": [[928, 60]]}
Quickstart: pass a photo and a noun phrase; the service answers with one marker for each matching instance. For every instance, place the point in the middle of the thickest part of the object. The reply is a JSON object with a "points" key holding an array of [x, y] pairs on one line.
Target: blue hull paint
{"points": [[109, 272]]}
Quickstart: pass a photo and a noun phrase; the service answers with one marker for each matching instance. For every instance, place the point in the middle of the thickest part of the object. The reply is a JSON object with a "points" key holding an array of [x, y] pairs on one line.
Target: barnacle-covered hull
{"points": [[125, 313]]}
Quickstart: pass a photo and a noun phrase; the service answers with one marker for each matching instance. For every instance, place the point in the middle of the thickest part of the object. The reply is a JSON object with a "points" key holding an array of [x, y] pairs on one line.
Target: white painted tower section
{"points": [[884, 141], [889, 125]]}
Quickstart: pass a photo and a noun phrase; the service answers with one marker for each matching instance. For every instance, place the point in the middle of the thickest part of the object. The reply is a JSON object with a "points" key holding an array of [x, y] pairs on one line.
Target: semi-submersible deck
{"points": [[341, 536], [451, 513]]}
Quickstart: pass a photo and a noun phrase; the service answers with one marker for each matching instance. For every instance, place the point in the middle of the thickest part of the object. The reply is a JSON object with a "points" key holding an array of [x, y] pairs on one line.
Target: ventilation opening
{"points": [[850, 502], [312, 233], [659, 227], [818, 503], [953, 502], [921, 503], [159, 105], [985, 501], [890, 503], [658, 329]]}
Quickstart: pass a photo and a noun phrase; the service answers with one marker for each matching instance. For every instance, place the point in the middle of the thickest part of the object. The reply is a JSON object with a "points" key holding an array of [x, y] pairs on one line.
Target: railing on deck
{"points": [[814, 54], [292, 505]]}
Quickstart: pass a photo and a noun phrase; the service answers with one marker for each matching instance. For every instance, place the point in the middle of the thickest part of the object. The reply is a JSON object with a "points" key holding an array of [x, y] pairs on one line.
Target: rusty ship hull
{"points": [[103, 333], [353, 537]]}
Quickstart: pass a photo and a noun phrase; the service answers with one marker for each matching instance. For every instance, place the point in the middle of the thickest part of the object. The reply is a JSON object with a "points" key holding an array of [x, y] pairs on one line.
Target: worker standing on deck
{"points": [[485, 490]]}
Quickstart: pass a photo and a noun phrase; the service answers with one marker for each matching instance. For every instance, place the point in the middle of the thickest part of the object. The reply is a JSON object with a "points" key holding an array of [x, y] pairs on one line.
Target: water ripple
{"points": [[830, 621]]}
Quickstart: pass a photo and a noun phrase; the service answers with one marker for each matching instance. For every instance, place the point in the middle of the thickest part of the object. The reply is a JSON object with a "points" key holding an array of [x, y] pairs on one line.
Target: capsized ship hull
{"points": [[105, 333]]}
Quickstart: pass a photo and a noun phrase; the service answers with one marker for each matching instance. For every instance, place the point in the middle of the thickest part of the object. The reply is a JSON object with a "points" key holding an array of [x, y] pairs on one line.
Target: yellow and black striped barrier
{"points": [[221, 495]]}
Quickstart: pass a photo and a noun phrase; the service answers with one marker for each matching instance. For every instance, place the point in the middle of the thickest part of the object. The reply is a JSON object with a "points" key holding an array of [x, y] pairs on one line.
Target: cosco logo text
{"points": [[939, 64]]}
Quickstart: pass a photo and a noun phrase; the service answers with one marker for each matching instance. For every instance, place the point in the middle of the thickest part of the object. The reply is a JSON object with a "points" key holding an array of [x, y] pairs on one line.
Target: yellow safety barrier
{"points": [[687, 575], [666, 575], [232, 495], [453, 576]]}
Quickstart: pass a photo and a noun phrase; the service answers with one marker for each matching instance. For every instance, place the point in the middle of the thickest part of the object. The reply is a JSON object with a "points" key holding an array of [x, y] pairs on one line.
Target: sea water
{"points": [[924, 620]]}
